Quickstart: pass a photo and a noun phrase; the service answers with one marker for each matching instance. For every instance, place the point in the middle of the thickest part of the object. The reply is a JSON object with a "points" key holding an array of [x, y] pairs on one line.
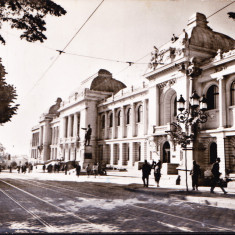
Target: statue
{"points": [[193, 69], [185, 38], [219, 55], [153, 63], [54, 108], [174, 38], [87, 135]]}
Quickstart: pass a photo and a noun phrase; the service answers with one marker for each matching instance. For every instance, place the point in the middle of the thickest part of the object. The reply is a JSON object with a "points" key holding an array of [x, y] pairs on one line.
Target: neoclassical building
{"points": [[130, 124]]}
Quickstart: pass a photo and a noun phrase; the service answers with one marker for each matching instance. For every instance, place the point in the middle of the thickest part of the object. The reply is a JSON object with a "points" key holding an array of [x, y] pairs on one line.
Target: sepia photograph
{"points": [[117, 116]]}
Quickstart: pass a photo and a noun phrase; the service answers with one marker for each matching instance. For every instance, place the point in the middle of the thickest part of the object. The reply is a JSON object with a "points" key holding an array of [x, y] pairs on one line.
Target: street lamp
{"points": [[190, 117]]}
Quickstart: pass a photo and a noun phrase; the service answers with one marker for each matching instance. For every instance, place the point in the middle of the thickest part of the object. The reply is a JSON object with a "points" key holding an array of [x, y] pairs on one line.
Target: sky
{"points": [[120, 30]]}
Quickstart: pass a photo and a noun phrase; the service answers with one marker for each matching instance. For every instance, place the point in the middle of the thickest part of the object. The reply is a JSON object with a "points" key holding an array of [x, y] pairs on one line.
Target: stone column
{"points": [[69, 126], [222, 100], [153, 106], [142, 157], [221, 152], [111, 154], [145, 116], [120, 160], [133, 119], [122, 122], [41, 136], [106, 125], [64, 134], [131, 159], [75, 125], [46, 141], [114, 125]]}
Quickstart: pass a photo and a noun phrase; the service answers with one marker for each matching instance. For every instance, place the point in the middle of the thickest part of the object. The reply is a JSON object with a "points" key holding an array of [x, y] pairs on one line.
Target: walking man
{"points": [[88, 170], [216, 176], [146, 170], [195, 172]]}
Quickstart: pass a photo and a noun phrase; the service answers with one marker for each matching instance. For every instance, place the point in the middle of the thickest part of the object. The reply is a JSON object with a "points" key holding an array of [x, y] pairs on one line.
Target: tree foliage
{"points": [[7, 98], [28, 15], [231, 15]]}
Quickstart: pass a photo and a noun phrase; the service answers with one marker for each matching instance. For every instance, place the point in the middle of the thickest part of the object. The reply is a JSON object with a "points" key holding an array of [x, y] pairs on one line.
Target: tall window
{"points": [[111, 120], [213, 152], [212, 97], [119, 118], [232, 93], [128, 116], [175, 106], [103, 121], [139, 113]]}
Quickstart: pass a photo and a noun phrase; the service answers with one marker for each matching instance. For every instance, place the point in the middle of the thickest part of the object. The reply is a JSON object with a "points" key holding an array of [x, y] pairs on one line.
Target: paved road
{"points": [[29, 205]]}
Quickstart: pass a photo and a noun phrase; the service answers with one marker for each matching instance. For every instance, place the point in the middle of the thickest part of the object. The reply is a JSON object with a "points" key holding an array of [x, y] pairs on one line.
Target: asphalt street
{"points": [[29, 206]]}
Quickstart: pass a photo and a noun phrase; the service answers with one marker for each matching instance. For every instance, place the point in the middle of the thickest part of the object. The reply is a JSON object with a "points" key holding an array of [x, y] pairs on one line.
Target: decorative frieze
{"points": [[167, 83]]}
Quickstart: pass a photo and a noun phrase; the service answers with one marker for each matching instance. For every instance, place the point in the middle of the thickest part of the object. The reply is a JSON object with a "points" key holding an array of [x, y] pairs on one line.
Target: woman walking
{"points": [[157, 172]]}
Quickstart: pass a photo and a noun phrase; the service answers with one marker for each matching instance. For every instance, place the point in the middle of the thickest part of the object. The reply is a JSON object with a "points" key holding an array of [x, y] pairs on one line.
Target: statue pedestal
{"points": [[87, 153]]}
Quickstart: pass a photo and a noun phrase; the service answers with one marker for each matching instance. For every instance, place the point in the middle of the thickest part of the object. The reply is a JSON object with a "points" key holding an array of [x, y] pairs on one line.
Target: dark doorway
{"points": [[166, 152]]}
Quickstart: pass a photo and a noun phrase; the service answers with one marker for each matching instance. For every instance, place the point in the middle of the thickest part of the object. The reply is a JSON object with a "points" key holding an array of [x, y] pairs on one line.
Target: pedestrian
{"points": [[78, 169], [65, 169], [88, 170], [44, 168], [216, 176], [95, 170], [157, 172], [146, 170], [195, 172]]}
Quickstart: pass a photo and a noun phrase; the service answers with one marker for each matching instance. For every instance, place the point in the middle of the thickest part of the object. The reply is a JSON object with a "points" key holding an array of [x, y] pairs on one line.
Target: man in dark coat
{"points": [[195, 172], [216, 176], [78, 169], [146, 170]]}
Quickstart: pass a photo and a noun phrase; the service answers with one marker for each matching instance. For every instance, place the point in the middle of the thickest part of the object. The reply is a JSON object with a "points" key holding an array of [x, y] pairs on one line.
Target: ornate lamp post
{"points": [[190, 118]]}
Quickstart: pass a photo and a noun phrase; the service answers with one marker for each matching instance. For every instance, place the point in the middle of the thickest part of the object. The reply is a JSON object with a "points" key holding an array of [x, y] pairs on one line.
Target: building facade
{"points": [[129, 124]]}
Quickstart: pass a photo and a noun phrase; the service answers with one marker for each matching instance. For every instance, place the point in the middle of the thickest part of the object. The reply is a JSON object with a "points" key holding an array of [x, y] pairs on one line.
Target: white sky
{"points": [[124, 30]]}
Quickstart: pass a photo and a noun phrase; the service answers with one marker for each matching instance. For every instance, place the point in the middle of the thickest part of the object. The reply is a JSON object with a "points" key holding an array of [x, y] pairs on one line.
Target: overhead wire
{"points": [[100, 58], [62, 51]]}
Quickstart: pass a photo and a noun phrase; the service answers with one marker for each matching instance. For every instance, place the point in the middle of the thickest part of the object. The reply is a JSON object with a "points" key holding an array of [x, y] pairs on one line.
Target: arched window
{"points": [[175, 107], [103, 121], [232, 93], [119, 118], [139, 113], [213, 152], [111, 120], [212, 97], [128, 116]]}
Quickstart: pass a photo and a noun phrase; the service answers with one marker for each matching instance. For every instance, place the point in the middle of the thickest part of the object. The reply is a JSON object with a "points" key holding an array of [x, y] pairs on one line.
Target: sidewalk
{"points": [[134, 183]]}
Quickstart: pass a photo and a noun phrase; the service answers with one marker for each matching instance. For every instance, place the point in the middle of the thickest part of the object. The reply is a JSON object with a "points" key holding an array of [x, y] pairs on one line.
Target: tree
{"points": [[231, 15], [7, 97], [26, 15]]}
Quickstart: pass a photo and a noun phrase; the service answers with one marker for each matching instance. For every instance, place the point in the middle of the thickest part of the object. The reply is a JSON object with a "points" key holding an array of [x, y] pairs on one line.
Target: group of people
{"points": [[95, 170], [195, 173], [146, 171]]}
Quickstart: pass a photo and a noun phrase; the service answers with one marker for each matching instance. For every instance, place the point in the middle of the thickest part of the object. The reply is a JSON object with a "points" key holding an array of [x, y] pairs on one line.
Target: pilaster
{"points": [[222, 107]]}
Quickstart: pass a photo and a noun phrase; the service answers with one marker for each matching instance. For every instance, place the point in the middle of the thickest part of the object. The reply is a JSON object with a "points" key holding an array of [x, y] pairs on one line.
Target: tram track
{"points": [[67, 213], [152, 210]]}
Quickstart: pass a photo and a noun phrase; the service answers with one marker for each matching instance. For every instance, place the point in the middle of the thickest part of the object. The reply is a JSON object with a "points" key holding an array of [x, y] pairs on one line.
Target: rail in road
{"points": [[148, 214]]}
